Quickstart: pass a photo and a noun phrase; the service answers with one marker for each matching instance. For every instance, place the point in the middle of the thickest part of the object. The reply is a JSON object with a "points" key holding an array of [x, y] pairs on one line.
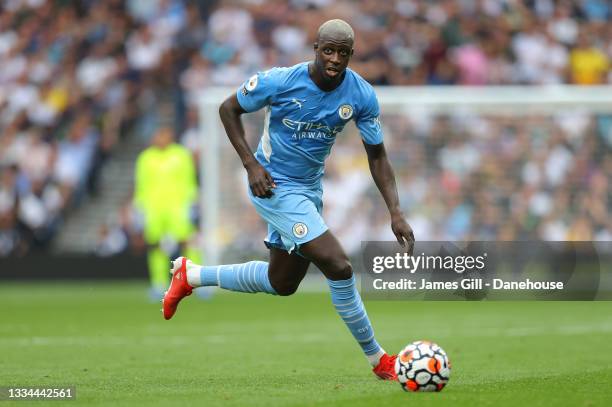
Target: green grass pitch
{"points": [[257, 350]]}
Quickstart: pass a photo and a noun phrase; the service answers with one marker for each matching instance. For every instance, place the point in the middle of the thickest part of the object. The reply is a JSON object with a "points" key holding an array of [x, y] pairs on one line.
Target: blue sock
{"points": [[251, 277], [349, 306]]}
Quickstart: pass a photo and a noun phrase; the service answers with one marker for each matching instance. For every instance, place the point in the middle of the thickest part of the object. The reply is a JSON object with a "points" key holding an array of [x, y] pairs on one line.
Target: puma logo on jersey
{"points": [[298, 102]]}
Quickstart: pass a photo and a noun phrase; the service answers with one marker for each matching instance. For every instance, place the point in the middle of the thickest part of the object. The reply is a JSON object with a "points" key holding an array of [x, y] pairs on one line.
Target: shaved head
{"points": [[333, 51], [338, 30]]}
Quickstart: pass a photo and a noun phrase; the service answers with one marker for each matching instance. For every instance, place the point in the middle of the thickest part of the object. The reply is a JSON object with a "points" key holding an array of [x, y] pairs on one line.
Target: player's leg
{"points": [[295, 215], [326, 252], [183, 230], [251, 277], [190, 250], [284, 273], [285, 270], [157, 259]]}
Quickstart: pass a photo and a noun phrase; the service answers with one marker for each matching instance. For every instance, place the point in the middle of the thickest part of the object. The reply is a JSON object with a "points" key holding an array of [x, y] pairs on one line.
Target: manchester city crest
{"points": [[345, 112], [300, 230]]}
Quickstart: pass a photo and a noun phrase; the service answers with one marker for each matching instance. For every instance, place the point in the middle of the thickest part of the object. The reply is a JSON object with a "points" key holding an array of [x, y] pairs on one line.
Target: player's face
{"points": [[332, 57]]}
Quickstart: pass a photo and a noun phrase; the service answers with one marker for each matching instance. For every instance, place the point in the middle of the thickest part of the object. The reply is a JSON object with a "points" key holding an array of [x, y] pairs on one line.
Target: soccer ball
{"points": [[422, 366]]}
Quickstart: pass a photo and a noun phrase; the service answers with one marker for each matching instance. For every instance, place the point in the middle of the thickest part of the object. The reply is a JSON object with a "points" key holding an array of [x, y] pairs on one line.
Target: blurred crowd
{"points": [[77, 77], [408, 42], [80, 76], [470, 177]]}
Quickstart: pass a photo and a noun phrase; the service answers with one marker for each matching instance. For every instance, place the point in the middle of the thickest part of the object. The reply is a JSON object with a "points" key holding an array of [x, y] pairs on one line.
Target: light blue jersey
{"points": [[300, 128], [302, 121]]}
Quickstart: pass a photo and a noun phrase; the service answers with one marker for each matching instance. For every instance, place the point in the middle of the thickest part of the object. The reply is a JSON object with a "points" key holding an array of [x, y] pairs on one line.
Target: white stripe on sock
{"points": [[248, 286], [351, 312], [350, 304], [252, 280], [240, 279], [355, 320]]}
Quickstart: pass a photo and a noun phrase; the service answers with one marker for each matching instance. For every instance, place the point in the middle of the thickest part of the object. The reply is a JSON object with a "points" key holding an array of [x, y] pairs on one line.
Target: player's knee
{"points": [[285, 289], [339, 269], [345, 270], [284, 286]]}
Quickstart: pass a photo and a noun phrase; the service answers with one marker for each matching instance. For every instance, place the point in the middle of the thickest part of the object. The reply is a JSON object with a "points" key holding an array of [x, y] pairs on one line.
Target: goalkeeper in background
{"points": [[164, 192]]}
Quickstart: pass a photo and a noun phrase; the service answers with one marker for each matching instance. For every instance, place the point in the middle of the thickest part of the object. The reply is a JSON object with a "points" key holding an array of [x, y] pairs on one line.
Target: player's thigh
{"points": [[286, 270], [180, 226], [154, 225], [292, 216], [329, 256]]}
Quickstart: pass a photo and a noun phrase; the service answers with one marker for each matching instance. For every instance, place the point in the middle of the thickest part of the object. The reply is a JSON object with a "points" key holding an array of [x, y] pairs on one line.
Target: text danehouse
{"points": [[454, 265], [466, 284]]}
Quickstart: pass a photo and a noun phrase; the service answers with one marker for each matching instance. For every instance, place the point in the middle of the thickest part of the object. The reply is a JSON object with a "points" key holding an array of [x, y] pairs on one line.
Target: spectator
{"points": [[75, 154], [38, 212]]}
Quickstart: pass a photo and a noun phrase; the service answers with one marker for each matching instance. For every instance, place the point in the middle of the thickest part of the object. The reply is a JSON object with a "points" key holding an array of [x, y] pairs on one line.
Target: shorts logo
{"points": [[345, 112], [300, 230], [252, 83]]}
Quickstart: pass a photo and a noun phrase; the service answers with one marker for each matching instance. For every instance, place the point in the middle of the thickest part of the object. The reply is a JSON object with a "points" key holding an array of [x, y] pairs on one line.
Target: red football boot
{"points": [[385, 369], [179, 287]]}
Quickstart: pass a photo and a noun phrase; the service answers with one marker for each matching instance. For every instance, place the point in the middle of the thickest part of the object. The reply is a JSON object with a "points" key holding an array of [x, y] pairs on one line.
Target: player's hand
{"points": [[403, 232], [260, 180]]}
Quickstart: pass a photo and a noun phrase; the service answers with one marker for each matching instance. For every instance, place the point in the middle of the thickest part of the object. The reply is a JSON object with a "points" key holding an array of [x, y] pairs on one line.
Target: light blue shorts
{"points": [[293, 216]]}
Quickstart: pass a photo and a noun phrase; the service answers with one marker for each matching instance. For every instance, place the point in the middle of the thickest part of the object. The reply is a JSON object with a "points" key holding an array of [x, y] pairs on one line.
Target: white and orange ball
{"points": [[422, 366]]}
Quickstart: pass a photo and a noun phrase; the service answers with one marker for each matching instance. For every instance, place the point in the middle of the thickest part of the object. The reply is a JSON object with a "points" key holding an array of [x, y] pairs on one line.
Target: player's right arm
{"points": [[256, 92], [260, 180]]}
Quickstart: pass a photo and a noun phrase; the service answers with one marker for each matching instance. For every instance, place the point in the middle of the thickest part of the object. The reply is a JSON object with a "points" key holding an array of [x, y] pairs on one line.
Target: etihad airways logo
{"points": [[311, 130]]}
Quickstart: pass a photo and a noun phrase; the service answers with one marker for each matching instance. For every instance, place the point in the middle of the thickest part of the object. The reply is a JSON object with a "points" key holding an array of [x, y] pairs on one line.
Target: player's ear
{"points": [[315, 46]]}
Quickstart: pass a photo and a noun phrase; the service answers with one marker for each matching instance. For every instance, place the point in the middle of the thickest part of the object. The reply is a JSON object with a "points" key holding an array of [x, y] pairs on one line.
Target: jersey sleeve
{"points": [[257, 91], [368, 121]]}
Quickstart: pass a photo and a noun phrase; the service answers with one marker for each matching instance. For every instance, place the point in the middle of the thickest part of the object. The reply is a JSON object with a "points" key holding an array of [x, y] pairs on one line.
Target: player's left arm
{"points": [[368, 123], [384, 178]]}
